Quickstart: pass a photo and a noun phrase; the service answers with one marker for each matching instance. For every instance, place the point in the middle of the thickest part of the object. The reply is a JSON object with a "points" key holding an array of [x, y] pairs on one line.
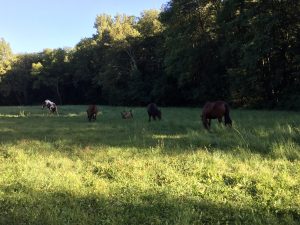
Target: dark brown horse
{"points": [[153, 111], [92, 112], [215, 110]]}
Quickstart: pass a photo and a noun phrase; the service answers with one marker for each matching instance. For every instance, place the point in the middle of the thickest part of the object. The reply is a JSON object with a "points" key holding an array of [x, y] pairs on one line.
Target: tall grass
{"points": [[65, 170]]}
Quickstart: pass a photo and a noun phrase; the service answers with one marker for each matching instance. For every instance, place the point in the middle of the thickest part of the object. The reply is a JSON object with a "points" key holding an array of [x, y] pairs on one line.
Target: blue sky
{"points": [[32, 25]]}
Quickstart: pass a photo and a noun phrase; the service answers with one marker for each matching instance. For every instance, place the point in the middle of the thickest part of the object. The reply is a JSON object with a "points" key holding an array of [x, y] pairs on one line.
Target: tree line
{"points": [[245, 52]]}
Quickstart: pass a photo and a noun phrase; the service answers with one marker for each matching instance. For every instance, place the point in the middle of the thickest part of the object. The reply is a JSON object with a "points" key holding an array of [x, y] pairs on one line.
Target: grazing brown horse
{"points": [[215, 110], [153, 111], [127, 114], [92, 112]]}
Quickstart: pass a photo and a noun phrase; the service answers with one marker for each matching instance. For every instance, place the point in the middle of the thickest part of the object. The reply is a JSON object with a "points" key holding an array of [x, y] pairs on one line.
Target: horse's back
{"points": [[152, 107], [219, 106], [214, 110], [50, 105], [92, 109]]}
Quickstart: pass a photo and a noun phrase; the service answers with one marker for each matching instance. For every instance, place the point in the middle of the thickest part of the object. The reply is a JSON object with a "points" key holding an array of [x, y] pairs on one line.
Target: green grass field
{"points": [[65, 170]]}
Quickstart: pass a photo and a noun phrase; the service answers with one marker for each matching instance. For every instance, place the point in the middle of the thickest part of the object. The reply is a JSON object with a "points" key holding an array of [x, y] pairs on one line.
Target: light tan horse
{"points": [[127, 114]]}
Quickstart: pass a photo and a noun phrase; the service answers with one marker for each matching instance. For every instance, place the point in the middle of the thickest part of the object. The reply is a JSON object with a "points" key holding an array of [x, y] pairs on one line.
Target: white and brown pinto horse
{"points": [[51, 106]]}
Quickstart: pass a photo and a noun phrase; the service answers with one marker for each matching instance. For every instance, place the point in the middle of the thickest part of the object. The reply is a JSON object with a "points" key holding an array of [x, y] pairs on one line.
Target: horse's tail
{"points": [[228, 120]]}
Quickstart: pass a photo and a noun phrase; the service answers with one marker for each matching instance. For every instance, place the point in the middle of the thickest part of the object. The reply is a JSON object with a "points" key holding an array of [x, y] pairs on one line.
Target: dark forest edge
{"points": [[244, 52]]}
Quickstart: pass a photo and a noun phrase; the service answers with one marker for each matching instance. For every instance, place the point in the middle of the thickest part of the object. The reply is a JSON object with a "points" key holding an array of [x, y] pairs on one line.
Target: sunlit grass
{"points": [[65, 170]]}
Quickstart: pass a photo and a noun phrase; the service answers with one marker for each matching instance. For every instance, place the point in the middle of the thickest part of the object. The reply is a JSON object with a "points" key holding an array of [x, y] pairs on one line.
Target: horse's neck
{"points": [[48, 102]]}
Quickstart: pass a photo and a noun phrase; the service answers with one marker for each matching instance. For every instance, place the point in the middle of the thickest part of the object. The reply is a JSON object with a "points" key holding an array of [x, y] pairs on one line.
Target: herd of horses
{"points": [[211, 110]]}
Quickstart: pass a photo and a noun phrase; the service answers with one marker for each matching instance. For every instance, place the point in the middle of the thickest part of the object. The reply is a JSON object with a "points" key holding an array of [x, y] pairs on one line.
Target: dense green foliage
{"points": [[6, 57], [245, 52], [65, 170]]}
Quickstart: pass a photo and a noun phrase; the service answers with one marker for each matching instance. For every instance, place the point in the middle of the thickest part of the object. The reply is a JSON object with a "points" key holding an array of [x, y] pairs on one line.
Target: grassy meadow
{"points": [[65, 170]]}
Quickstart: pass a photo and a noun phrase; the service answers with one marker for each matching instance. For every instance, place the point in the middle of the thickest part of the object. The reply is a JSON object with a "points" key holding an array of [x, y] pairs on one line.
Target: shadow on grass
{"points": [[44, 207]]}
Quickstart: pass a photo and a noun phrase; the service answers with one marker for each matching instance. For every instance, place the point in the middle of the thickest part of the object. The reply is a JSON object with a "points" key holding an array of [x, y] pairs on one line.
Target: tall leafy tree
{"points": [[6, 56], [192, 63], [260, 49], [148, 24], [16, 85], [115, 35], [54, 73], [86, 61], [146, 78]]}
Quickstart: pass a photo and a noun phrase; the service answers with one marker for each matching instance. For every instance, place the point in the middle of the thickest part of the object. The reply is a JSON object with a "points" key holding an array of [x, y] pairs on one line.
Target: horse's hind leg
{"points": [[208, 124]]}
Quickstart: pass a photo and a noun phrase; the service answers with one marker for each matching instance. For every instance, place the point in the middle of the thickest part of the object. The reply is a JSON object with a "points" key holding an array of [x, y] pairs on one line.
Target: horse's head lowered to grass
{"points": [[215, 110], [153, 111], [50, 105], [127, 114]]}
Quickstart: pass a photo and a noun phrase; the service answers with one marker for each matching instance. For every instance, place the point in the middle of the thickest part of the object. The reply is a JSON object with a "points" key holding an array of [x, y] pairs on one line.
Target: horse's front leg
{"points": [[209, 123], [206, 124]]}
